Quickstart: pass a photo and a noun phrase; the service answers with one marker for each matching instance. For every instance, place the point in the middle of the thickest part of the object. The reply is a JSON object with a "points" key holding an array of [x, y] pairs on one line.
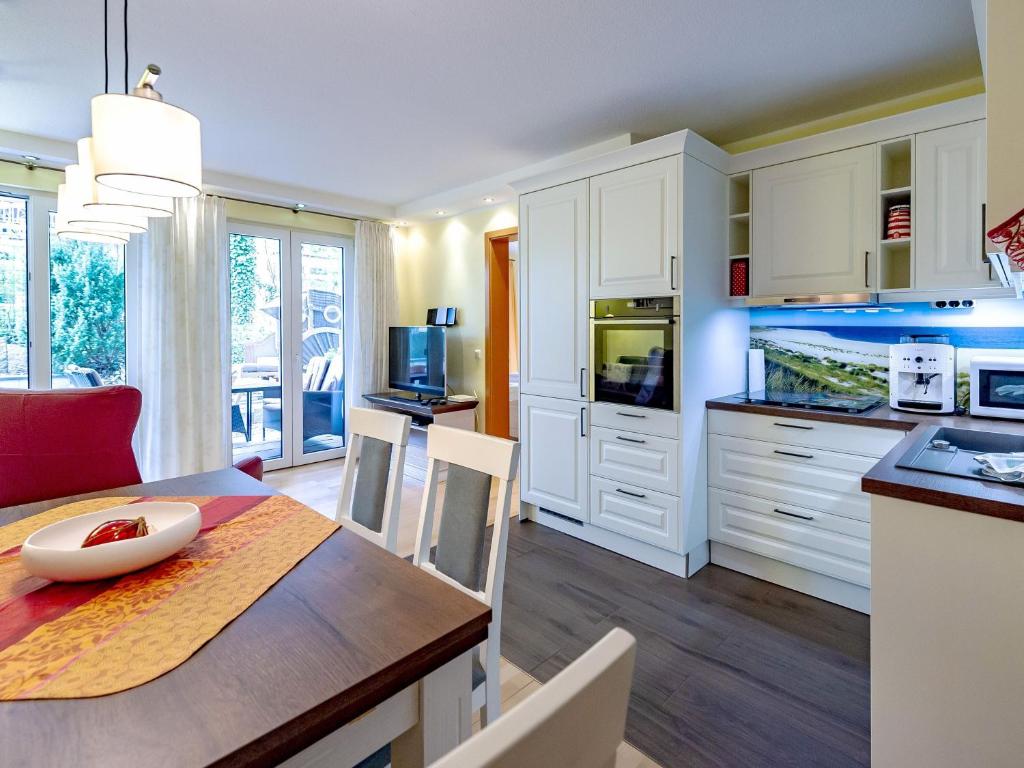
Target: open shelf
{"points": [[895, 241], [895, 264], [739, 194], [895, 164], [897, 192], [739, 236]]}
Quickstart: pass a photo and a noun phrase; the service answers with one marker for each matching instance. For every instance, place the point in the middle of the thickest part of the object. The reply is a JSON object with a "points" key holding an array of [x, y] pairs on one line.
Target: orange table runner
{"points": [[63, 640]]}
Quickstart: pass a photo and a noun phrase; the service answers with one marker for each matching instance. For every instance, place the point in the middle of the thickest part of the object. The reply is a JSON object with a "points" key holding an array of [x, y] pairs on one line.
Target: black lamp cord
{"points": [[126, 47], [106, 53]]}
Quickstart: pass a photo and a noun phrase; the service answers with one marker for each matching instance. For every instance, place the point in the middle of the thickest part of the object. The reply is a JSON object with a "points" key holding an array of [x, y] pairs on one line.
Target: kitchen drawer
{"points": [[808, 477], [848, 438], [649, 421], [630, 457], [834, 546], [635, 512]]}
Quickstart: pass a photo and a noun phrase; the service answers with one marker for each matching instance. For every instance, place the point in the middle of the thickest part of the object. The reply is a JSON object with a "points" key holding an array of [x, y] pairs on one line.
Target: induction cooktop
{"points": [[818, 401]]}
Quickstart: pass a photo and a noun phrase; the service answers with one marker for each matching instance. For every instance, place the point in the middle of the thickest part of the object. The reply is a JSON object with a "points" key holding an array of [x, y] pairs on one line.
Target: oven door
{"points": [[633, 362]]}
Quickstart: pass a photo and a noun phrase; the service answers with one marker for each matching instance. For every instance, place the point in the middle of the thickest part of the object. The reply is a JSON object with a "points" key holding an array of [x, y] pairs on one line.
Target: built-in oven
{"points": [[634, 345]]}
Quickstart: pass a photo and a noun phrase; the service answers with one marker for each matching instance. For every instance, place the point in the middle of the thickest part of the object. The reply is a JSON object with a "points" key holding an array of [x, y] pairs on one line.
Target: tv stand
{"points": [[424, 413], [428, 411]]}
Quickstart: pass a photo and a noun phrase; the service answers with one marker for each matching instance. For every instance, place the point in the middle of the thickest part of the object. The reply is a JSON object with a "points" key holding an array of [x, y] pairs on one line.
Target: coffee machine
{"points": [[922, 374]]}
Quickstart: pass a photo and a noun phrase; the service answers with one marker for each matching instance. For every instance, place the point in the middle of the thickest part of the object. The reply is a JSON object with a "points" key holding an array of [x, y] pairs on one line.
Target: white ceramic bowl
{"points": [[55, 552]]}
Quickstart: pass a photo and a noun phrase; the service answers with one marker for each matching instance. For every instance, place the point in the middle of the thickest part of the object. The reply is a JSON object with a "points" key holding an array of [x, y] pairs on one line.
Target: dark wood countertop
{"points": [[981, 497], [403, 403]]}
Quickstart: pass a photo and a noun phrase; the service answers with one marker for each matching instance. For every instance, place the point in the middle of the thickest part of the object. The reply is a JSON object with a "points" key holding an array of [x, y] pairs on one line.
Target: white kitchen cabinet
{"points": [[631, 457], [554, 323], [553, 435], [814, 225], [637, 512], [634, 230], [949, 189]]}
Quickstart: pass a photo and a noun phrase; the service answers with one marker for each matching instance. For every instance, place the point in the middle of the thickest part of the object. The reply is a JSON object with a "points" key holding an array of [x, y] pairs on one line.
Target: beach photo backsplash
{"points": [[847, 351]]}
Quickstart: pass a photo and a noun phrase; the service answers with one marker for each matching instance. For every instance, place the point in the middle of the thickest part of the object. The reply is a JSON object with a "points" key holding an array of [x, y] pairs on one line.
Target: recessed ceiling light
{"points": [[440, 212], [488, 199], [300, 206], [30, 161]]}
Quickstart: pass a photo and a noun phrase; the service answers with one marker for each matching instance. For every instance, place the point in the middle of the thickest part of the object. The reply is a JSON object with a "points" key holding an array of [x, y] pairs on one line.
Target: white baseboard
{"points": [[800, 579]]}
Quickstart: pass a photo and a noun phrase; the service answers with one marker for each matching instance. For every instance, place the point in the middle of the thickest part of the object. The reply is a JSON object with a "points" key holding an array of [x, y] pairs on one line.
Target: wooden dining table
{"points": [[353, 648]]}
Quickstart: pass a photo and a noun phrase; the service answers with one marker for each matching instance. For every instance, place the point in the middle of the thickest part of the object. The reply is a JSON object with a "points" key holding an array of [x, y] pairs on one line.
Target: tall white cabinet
{"points": [[949, 186], [634, 230], [553, 273], [648, 220], [553, 433]]}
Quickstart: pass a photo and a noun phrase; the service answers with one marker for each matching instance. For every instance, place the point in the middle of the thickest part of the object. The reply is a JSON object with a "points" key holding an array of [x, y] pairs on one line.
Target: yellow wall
{"points": [[1005, 110], [889, 108], [441, 263]]}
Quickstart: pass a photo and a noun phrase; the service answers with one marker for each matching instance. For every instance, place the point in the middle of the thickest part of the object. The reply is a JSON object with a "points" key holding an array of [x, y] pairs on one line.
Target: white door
{"points": [[289, 359], [814, 225], [554, 312], [553, 435], [634, 230], [949, 191]]}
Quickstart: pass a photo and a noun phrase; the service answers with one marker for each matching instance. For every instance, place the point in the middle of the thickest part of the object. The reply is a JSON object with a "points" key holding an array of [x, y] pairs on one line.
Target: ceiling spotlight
{"points": [[300, 206], [439, 212], [488, 199], [30, 161]]}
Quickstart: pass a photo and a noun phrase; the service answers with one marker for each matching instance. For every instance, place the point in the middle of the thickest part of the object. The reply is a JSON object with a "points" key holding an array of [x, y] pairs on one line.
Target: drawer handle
{"points": [[793, 514], [632, 415], [629, 439], [630, 493], [791, 426], [797, 455]]}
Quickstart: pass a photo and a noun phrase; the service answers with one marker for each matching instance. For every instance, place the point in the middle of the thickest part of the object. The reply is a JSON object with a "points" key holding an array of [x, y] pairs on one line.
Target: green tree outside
{"points": [[87, 308]]}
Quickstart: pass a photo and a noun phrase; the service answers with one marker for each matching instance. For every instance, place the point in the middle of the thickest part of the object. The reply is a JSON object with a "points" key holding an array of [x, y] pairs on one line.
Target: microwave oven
{"points": [[997, 387]]}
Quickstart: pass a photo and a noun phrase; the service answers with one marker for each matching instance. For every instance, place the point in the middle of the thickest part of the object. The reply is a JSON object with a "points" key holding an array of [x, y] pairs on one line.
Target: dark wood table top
{"points": [[348, 627], [981, 497]]}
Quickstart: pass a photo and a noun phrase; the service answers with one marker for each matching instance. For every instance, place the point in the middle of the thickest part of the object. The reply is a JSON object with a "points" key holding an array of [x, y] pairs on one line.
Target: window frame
{"points": [[40, 362]]}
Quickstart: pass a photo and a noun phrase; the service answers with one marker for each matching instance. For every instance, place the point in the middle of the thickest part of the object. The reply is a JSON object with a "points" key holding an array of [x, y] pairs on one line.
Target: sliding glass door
{"points": [[14, 270], [289, 315]]}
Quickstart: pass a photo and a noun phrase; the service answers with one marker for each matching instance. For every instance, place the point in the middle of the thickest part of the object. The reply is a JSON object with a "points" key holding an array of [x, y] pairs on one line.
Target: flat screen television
{"points": [[416, 360]]}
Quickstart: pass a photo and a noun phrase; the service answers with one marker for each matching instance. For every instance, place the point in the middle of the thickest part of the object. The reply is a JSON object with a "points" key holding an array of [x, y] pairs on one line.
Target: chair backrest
{"points": [[576, 720], [371, 486], [65, 442], [473, 460]]}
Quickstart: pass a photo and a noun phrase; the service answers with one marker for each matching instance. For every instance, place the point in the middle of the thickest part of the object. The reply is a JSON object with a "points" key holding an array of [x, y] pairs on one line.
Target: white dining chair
{"points": [[371, 486], [576, 720], [473, 460]]}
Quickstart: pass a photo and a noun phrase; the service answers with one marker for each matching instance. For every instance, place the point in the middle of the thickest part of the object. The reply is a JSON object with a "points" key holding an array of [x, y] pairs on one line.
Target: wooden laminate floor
{"points": [[731, 671]]}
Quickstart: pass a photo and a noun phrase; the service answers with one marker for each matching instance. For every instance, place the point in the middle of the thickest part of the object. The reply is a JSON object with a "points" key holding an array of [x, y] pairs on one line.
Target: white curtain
{"points": [[184, 341], [376, 307]]}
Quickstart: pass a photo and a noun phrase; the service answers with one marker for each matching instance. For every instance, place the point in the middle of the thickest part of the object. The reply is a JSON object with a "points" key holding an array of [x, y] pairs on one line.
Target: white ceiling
{"points": [[396, 100]]}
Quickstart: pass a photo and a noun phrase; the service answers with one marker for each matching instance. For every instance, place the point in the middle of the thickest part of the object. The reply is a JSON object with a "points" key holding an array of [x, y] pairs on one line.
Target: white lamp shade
{"points": [[146, 146], [70, 210], [102, 200]]}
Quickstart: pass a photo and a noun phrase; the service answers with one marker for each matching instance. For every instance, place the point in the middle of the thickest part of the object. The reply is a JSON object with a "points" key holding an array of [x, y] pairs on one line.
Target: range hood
{"points": [[816, 300]]}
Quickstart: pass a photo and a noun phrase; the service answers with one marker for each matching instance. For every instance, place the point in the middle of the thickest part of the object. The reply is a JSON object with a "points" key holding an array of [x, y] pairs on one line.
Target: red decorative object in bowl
{"points": [[1010, 235]]}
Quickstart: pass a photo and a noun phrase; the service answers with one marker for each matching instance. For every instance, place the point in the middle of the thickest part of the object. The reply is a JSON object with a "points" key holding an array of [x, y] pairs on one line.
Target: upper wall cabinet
{"points": [[553, 275], [950, 191], [634, 230], [814, 225]]}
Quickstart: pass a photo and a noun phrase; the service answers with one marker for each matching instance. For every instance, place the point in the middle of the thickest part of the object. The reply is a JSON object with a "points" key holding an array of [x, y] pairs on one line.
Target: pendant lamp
{"points": [[144, 146], [102, 200], [71, 210]]}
